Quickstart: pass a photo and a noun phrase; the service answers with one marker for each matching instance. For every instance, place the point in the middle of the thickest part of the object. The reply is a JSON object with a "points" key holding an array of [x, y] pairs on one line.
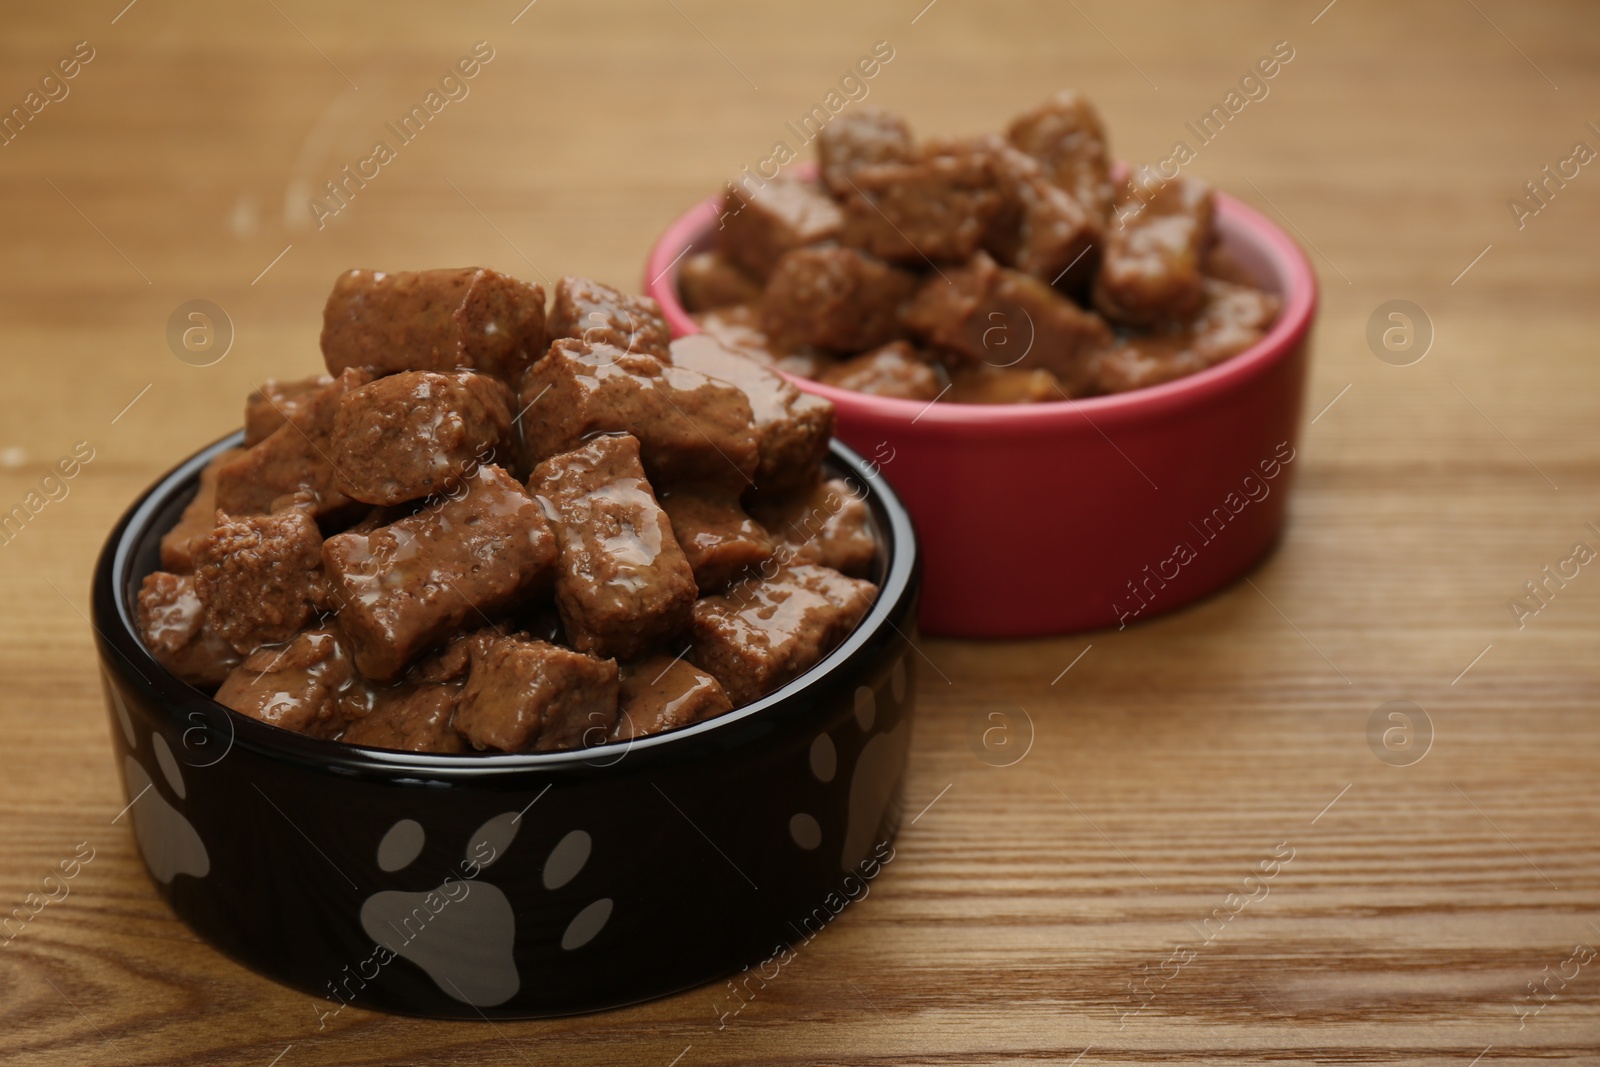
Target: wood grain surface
{"points": [[1054, 910]]}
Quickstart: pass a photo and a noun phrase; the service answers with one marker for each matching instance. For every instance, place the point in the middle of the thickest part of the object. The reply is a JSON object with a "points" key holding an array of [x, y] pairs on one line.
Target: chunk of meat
{"points": [[197, 520], [451, 663], [835, 298], [178, 632], [690, 428], [858, 139], [1001, 317], [830, 524], [1068, 139], [1043, 230], [529, 696], [664, 693], [935, 210], [295, 457], [1151, 270], [978, 383], [270, 405], [599, 314], [709, 280], [411, 719], [893, 370], [382, 515], [407, 586], [622, 583], [804, 363], [757, 227], [541, 620], [417, 433], [717, 537], [470, 318], [1142, 361], [766, 632], [1233, 318], [738, 327], [792, 427], [260, 576], [309, 685]]}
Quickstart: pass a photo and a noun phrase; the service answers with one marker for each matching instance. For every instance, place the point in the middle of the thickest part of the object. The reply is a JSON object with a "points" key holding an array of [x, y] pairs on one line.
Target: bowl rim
{"points": [[1288, 261], [116, 631]]}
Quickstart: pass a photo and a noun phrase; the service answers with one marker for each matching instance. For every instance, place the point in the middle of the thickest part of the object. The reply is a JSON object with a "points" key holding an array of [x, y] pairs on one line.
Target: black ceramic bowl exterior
{"points": [[514, 886]]}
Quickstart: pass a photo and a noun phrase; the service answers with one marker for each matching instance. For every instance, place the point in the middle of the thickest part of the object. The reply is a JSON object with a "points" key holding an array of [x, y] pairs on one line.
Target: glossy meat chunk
{"points": [[309, 685], [198, 517], [738, 327], [1151, 270], [792, 428], [860, 138], [378, 517], [835, 298], [175, 628], [935, 210], [1233, 318], [709, 280], [530, 696], [599, 314], [622, 582], [470, 318], [417, 433], [757, 227], [892, 370], [451, 662], [990, 314], [411, 719], [1043, 230], [718, 538], [1142, 361], [829, 524], [690, 428], [270, 405], [260, 576], [1068, 139], [768, 631], [295, 457], [407, 586], [664, 693]]}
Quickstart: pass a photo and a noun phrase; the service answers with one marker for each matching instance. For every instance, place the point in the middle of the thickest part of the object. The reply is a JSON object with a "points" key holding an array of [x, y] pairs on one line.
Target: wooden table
{"points": [[1035, 910]]}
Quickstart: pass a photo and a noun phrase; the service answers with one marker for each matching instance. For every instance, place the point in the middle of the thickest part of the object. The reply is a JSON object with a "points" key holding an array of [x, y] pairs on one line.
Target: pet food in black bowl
{"points": [[347, 828]]}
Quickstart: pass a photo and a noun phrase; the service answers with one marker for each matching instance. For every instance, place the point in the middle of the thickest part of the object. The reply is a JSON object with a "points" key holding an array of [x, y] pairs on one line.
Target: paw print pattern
{"points": [[463, 932], [872, 781], [169, 842]]}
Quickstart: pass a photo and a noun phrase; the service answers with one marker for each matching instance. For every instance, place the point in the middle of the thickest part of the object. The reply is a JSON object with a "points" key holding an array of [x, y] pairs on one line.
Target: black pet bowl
{"points": [[513, 886]]}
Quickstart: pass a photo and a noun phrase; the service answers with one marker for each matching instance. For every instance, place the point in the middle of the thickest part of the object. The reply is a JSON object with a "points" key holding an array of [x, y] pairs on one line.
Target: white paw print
{"points": [[167, 839], [463, 932], [872, 781]]}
